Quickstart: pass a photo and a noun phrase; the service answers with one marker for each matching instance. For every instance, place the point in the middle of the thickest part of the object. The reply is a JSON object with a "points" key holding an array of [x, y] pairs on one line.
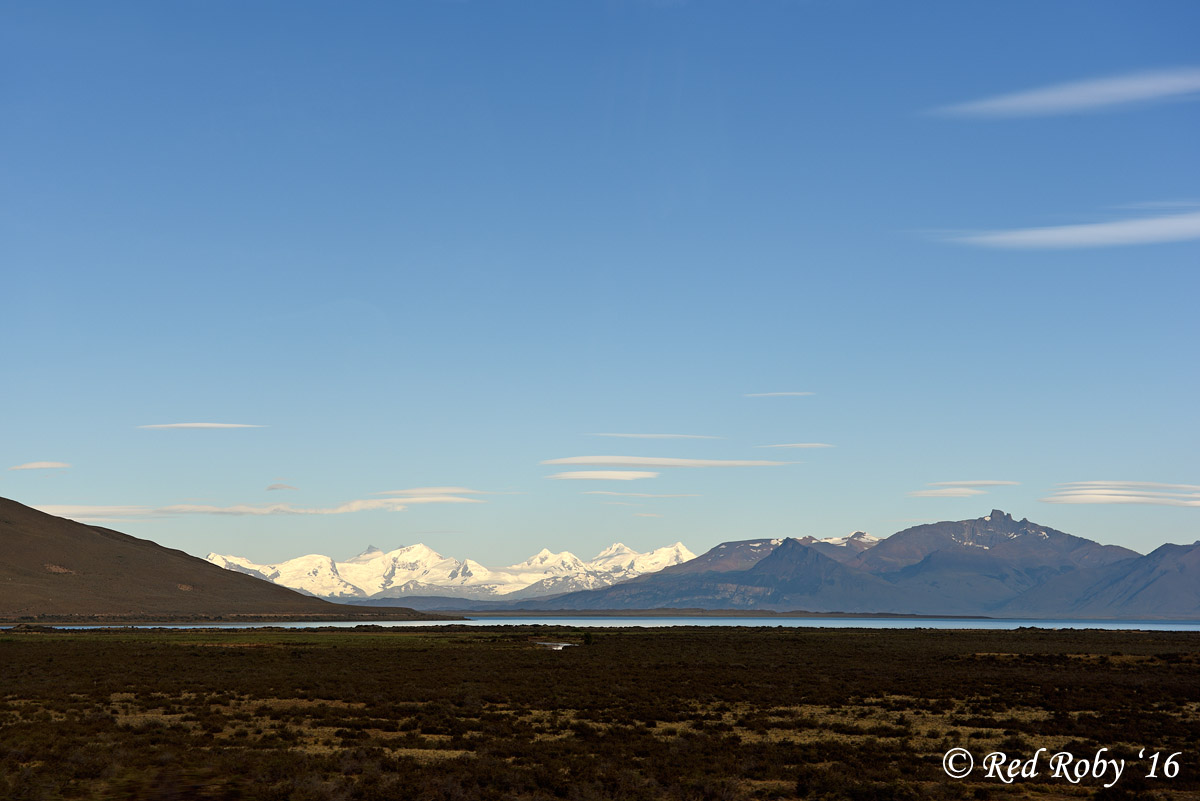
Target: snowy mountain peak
{"points": [[859, 537], [370, 553], [419, 553], [559, 562], [615, 550], [418, 569]]}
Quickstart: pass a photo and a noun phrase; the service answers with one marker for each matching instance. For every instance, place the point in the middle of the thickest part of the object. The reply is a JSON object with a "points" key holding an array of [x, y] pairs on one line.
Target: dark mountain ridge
{"points": [[993, 565], [1016, 542], [51, 567]]}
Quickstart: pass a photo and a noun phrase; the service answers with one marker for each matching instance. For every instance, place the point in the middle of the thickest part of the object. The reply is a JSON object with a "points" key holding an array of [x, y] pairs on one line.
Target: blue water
{"points": [[771, 622]]}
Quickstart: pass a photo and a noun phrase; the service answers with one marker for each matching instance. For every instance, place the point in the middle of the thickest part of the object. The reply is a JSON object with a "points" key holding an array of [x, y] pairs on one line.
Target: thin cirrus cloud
{"points": [[1149, 493], [436, 495], [654, 461], [1084, 96], [201, 425], [111, 513], [604, 475], [280, 487], [947, 492], [97, 513], [656, 436], [140, 512], [960, 489], [40, 466], [1114, 233], [638, 494], [646, 514], [778, 394], [432, 491], [349, 507], [799, 445]]}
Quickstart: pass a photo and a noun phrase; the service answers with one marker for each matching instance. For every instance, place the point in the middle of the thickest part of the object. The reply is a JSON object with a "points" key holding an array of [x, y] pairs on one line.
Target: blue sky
{"points": [[438, 245]]}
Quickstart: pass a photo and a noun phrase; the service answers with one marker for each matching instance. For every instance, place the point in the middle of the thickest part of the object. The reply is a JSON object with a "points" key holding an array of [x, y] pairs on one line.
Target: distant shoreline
{"points": [[709, 613], [388, 616]]}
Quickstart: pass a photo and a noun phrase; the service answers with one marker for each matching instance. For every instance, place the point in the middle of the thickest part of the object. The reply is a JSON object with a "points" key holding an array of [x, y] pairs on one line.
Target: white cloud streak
{"points": [[799, 445], [436, 499], [1149, 485], [1147, 493], [1137, 231], [637, 494], [1083, 96], [656, 436], [603, 475], [348, 507], [654, 461], [982, 483], [427, 491], [202, 425], [40, 466], [280, 487], [646, 514], [947, 492], [779, 394], [110, 513]]}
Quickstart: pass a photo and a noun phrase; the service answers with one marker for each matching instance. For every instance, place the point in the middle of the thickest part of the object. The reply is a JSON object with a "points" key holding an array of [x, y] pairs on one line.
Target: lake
{"points": [[773, 622]]}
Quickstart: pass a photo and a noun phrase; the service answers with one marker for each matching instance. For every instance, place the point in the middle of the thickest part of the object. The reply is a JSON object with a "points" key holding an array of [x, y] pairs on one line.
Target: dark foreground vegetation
{"points": [[682, 713]]}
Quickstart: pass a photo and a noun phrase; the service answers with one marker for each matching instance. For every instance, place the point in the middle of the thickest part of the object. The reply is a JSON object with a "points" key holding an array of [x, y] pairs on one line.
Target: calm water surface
{"points": [[773, 622]]}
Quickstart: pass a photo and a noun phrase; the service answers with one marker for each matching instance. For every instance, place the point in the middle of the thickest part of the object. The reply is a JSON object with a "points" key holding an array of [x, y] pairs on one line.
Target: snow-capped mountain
{"points": [[842, 549], [420, 570], [624, 562]]}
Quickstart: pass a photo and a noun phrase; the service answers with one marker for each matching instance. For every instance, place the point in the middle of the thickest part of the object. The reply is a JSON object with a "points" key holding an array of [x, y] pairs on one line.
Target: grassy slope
{"points": [[51, 567]]}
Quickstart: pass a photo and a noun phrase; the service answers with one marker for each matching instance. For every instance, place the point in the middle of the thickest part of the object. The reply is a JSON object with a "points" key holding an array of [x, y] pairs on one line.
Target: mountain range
{"points": [[52, 568], [417, 570], [993, 566], [988, 566]]}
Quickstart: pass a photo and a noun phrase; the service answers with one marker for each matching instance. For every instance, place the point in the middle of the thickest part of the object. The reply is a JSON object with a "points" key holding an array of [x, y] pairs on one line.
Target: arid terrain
{"points": [[679, 713]]}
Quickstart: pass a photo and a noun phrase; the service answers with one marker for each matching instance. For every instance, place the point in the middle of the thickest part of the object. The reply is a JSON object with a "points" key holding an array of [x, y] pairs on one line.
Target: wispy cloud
{"points": [[960, 489], [426, 491], [437, 499], [1133, 492], [280, 487], [40, 466], [1135, 231], [656, 436], [654, 461], [646, 514], [1083, 96], [202, 425], [603, 475], [349, 507], [799, 445], [638, 494], [96, 513], [778, 394], [436, 495], [110, 513], [947, 492]]}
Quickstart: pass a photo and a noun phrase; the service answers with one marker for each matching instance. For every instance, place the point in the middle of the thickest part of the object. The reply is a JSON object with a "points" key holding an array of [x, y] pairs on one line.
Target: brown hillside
{"points": [[51, 567]]}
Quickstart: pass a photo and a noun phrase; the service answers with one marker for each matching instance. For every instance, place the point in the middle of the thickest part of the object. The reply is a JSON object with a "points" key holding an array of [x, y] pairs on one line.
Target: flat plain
{"points": [[674, 713]]}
